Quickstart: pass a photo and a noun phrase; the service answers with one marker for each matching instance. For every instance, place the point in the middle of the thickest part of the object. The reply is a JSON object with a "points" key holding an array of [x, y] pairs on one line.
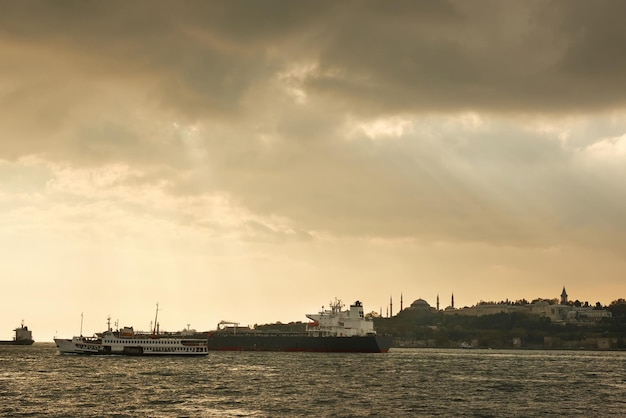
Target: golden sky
{"points": [[250, 161]]}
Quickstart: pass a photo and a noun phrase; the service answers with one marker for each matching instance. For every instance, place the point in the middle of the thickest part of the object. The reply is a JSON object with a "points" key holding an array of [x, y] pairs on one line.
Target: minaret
{"points": [[390, 307], [437, 301], [400, 302], [452, 301], [563, 297]]}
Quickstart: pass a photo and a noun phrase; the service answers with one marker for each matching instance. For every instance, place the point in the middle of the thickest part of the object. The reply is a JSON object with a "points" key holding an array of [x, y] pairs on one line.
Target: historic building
{"points": [[421, 305], [558, 313]]}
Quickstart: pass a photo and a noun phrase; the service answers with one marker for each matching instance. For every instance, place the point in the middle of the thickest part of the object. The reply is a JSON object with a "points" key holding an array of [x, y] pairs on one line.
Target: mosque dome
{"points": [[420, 304]]}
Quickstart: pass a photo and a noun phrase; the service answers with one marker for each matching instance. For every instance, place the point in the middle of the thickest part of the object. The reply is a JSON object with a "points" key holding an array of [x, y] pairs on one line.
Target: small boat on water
{"points": [[23, 336], [128, 342], [333, 330]]}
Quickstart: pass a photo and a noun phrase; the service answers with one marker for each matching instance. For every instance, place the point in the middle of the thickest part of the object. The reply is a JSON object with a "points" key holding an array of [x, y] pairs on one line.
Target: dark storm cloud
{"points": [[555, 56], [199, 57], [487, 56], [101, 82], [596, 35]]}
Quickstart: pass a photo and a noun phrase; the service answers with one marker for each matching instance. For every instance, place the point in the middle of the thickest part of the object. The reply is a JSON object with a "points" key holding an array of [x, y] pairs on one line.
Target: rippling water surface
{"points": [[37, 381]]}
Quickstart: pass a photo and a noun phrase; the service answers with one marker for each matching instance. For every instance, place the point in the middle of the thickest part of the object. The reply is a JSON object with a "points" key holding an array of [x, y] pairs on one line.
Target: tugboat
{"points": [[329, 331], [23, 336]]}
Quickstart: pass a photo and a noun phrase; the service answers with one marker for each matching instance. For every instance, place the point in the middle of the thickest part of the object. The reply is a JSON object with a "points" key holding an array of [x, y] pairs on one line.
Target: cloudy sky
{"points": [[250, 161]]}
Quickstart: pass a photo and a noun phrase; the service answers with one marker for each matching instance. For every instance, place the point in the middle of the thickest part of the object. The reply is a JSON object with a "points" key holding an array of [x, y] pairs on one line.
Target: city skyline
{"points": [[250, 161], [562, 298]]}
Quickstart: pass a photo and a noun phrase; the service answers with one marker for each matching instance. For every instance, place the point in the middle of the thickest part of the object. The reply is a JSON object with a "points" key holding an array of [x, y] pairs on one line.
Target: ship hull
{"points": [[17, 342], [65, 346], [299, 343]]}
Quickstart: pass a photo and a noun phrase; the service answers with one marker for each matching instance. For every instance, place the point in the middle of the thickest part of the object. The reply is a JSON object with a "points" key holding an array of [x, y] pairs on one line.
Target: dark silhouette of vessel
{"points": [[23, 336]]}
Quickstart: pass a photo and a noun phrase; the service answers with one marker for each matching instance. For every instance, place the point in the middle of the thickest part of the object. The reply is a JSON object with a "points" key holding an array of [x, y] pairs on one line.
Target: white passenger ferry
{"points": [[127, 342]]}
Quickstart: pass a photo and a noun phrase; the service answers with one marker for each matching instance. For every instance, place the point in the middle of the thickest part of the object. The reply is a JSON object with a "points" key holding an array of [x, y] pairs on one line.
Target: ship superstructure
{"points": [[23, 336], [330, 330], [338, 323]]}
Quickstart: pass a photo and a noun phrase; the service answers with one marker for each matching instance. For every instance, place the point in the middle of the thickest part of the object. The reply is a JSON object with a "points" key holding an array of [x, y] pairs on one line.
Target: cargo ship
{"points": [[23, 336], [332, 330]]}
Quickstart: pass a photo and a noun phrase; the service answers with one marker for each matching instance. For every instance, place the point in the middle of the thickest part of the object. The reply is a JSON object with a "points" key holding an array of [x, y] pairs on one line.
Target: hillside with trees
{"points": [[431, 328]]}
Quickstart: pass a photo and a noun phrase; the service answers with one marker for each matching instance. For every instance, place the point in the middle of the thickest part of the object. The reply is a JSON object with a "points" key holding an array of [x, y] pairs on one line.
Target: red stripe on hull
{"points": [[305, 344]]}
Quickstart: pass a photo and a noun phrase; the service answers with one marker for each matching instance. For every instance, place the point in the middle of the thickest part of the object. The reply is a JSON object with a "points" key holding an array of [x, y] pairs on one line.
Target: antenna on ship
{"points": [[156, 315]]}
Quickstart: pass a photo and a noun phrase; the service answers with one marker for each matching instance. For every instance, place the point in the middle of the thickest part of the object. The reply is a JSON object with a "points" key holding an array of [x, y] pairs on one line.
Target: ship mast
{"points": [[156, 315]]}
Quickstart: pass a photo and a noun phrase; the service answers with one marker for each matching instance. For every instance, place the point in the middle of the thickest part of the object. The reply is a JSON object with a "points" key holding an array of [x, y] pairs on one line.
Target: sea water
{"points": [[37, 381]]}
